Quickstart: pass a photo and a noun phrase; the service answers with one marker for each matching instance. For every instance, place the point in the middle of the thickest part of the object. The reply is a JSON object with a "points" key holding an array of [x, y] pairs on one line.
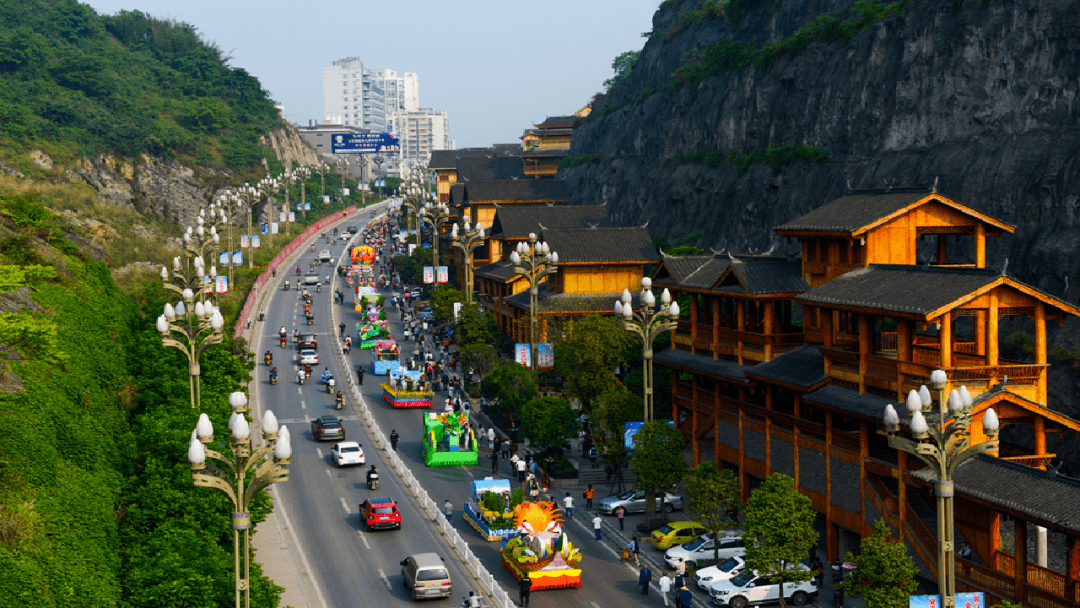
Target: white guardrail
{"points": [[495, 593]]}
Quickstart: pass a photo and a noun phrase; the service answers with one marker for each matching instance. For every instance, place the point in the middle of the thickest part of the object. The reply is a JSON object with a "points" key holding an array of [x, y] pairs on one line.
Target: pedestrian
{"points": [[608, 472], [965, 550], [494, 462], [665, 587], [680, 567], [685, 597], [524, 587], [597, 525], [474, 600], [447, 509], [620, 513], [568, 506], [360, 374], [491, 438], [634, 546], [394, 437], [643, 579], [506, 450], [588, 494], [819, 571]]}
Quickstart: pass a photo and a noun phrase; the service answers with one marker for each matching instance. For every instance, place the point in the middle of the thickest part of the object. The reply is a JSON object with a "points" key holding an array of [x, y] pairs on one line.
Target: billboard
{"points": [[364, 143], [630, 429]]}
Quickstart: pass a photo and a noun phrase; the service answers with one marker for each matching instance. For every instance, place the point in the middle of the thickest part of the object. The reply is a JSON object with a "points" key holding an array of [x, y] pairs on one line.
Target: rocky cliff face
{"points": [[289, 147], [980, 99]]}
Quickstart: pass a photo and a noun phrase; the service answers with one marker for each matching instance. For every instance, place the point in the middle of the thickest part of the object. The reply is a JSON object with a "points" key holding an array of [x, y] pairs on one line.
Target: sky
{"points": [[495, 66]]}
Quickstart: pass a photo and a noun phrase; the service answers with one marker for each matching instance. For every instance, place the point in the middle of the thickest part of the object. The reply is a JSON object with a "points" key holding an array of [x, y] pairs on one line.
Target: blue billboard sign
{"points": [[364, 143]]}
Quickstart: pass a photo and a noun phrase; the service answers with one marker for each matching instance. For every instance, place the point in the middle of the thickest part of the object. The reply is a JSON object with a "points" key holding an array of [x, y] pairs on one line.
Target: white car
{"points": [[726, 569], [309, 357], [347, 453], [701, 549], [748, 588]]}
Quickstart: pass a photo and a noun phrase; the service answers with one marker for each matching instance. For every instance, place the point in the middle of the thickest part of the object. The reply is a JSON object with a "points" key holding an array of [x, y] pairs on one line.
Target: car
{"points": [[380, 513], [676, 533], [749, 588], [701, 549], [327, 427], [309, 357], [324, 256], [416, 292], [425, 575], [428, 314], [728, 568], [308, 341], [345, 453], [352, 229], [311, 279], [634, 502]]}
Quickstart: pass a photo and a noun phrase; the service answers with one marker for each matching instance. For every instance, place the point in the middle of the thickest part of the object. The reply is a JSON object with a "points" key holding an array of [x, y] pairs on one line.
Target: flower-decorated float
{"points": [[449, 440], [541, 550], [366, 295], [385, 357], [490, 508], [367, 333], [407, 388]]}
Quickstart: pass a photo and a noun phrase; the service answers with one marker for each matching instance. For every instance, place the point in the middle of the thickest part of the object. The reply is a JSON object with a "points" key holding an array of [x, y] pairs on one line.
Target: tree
{"points": [[510, 385], [886, 573], [587, 354], [411, 267], [481, 357], [443, 298], [712, 496], [475, 327], [548, 421], [622, 64], [614, 408], [779, 532], [658, 461]]}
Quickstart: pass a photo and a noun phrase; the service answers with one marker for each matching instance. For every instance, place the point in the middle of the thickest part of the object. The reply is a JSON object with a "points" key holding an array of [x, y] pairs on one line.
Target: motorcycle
{"points": [[282, 341], [301, 376], [269, 359], [297, 271], [373, 481], [340, 401], [310, 321], [330, 386], [273, 377], [286, 286], [318, 288]]}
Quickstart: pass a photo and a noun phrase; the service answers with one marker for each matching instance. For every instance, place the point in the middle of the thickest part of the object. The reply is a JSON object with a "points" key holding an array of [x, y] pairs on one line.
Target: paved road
{"points": [[355, 568]]}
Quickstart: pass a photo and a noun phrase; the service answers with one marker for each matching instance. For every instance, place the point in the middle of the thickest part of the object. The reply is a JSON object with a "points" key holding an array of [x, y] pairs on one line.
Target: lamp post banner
{"points": [[292, 216], [265, 228], [256, 241], [238, 258], [223, 259], [545, 355], [273, 227], [429, 274], [281, 217], [244, 241], [963, 600], [522, 355], [222, 284], [444, 274], [208, 285]]}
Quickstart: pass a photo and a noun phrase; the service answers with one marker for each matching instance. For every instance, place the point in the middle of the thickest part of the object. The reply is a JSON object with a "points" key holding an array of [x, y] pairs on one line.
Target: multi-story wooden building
{"points": [[877, 317], [452, 166], [546, 144]]}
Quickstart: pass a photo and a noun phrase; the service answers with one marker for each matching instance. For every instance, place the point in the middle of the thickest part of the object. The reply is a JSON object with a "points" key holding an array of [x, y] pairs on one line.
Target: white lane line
{"points": [[466, 469], [303, 405], [280, 504], [345, 506], [363, 537], [329, 474], [382, 575], [595, 605], [299, 391], [319, 452]]}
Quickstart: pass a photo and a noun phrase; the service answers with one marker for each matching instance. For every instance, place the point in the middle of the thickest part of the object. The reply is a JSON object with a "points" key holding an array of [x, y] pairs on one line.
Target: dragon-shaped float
{"points": [[541, 550], [448, 440]]}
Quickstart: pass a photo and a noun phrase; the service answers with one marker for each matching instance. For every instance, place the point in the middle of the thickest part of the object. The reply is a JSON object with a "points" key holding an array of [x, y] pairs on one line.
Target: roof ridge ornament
{"points": [[1004, 266], [933, 189]]}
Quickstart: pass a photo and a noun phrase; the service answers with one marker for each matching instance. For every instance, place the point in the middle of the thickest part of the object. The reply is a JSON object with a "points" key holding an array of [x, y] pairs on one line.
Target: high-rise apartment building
{"points": [[423, 131], [351, 97]]}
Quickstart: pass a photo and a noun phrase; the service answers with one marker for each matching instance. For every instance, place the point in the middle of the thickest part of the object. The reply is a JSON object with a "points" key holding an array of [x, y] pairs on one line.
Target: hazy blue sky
{"points": [[496, 66]]}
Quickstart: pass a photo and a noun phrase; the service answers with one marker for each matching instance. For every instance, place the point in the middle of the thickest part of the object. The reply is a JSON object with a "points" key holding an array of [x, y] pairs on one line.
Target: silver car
{"points": [[634, 502], [702, 548]]}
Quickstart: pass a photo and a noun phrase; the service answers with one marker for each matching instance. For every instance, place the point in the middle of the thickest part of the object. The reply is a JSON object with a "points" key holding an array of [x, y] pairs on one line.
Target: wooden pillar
{"points": [[1040, 438], [767, 317], [740, 314], [945, 338], [674, 400], [992, 331], [715, 323], [980, 245], [768, 428], [980, 333], [995, 539], [1040, 351], [695, 445], [795, 435], [1072, 567], [942, 247], [901, 490], [716, 421], [905, 351], [693, 319], [1020, 562], [744, 487], [864, 454], [827, 327], [866, 349], [832, 538]]}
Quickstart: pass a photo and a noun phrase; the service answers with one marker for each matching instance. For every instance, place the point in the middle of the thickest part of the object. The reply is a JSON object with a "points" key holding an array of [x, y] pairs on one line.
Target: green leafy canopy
{"points": [[779, 531]]}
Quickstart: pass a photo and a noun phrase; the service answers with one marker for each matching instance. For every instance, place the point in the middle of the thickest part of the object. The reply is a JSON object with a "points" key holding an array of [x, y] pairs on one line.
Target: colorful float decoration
{"points": [[490, 508], [367, 334], [407, 389], [541, 550], [448, 440], [385, 357], [363, 255], [364, 297]]}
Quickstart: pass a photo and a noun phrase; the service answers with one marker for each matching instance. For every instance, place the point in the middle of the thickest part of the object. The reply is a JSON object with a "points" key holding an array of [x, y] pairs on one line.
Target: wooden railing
{"points": [[1044, 578], [924, 542], [887, 341], [1038, 461]]}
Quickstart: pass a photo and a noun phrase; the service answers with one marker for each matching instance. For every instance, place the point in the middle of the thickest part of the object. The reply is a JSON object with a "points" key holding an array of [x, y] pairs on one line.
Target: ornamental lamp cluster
{"points": [[624, 309], [648, 326], [920, 403]]}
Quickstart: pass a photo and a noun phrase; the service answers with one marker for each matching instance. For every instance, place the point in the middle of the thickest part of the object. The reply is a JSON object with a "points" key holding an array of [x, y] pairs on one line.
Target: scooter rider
{"points": [[269, 358], [273, 375], [282, 332], [373, 478], [339, 400], [300, 376]]}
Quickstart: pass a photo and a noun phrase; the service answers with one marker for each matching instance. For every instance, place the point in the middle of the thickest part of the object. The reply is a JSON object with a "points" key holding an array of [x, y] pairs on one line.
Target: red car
{"points": [[380, 513]]}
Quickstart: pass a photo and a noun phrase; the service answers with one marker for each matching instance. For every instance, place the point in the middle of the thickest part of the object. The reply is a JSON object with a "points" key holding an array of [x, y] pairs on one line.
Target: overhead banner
{"points": [[244, 241], [429, 274], [222, 284], [364, 143], [444, 274]]}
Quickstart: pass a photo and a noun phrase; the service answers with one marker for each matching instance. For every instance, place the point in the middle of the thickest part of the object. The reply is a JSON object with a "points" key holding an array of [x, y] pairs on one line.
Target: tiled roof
{"points": [[583, 245], [551, 301], [447, 159], [708, 273], [900, 288], [457, 194], [702, 363], [546, 151], [850, 213], [557, 122], [679, 267], [517, 221], [1042, 495], [539, 190], [763, 275], [498, 167], [865, 404], [804, 366], [499, 271]]}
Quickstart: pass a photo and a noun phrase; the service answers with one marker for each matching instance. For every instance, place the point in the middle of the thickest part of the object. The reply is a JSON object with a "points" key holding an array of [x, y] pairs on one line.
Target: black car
{"points": [[327, 428], [352, 229], [308, 341]]}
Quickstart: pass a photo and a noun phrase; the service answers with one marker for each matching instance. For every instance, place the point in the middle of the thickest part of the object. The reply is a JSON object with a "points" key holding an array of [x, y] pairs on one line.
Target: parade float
{"points": [[449, 440], [363, 255], [407, 388], [490, 508], [384, 357], [540, 550], [370, 332]]}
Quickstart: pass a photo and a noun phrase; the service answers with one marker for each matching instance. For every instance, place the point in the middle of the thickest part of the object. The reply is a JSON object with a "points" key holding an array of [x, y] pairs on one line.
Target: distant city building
{"points": [[352, 96], [423, 132]]}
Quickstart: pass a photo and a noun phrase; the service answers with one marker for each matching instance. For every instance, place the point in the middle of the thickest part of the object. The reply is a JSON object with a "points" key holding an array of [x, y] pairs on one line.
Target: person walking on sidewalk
{"points": [[394, 438], [524, 587], [644, 578], [588, 494], [620, 513], [491, 438], [447, 509], [568, 506], [665, 588], [635, 548], [685, 597], [597, 525], [494, 462]]}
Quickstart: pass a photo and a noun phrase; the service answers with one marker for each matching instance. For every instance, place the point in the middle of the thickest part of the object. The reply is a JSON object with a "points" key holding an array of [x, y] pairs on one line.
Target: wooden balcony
{"points": [[727, 342], [899, 377]]}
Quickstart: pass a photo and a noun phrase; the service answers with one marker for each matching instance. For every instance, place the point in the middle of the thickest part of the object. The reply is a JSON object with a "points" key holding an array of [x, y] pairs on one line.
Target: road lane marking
{"points": [[329, 474], [386, 580], [303, 405], [363, 537], [319, 452], [345, 506]]}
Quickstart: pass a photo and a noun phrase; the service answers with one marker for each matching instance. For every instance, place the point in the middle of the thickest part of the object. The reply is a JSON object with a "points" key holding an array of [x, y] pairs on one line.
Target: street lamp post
{"points": [[199, 325], [247, 196], [534, 261], [302, 173], [648, 325], [322, 169], [942, 443], [435, 216], [242, 475], [468, 242]]}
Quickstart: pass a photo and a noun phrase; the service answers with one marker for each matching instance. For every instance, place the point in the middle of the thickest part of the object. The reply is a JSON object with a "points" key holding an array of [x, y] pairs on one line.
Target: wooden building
{"points": [[877, 317], [449, 167]]}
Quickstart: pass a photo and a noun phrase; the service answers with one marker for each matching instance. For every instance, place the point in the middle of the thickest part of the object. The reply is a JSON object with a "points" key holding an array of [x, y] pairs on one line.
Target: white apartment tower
{"points": [[351, 98]]}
